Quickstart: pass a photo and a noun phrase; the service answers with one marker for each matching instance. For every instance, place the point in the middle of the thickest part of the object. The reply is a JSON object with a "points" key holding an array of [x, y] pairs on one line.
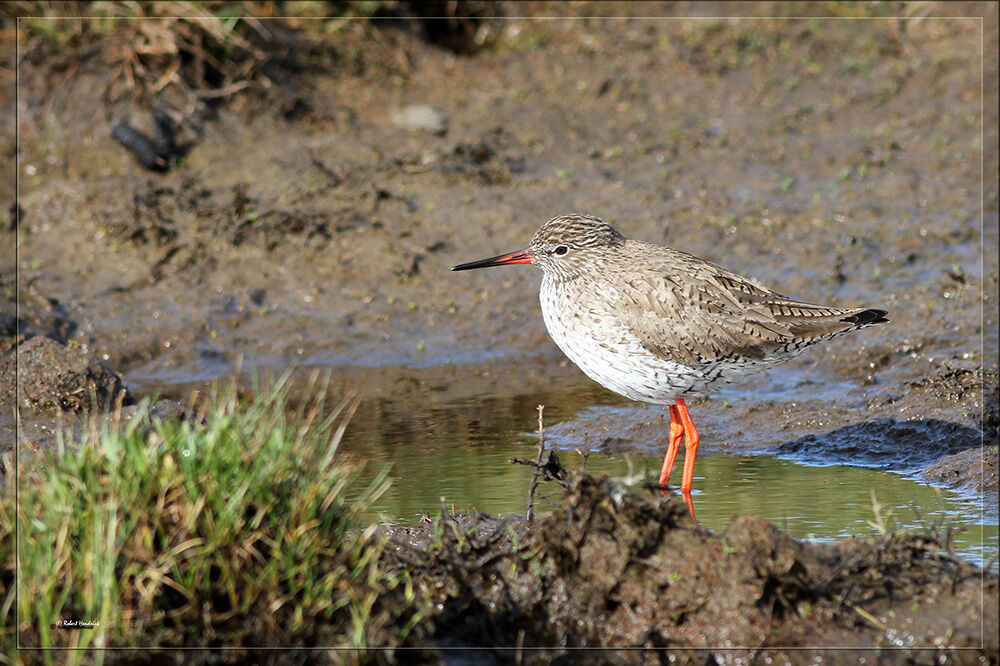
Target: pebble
{"points": [[421, 117]]}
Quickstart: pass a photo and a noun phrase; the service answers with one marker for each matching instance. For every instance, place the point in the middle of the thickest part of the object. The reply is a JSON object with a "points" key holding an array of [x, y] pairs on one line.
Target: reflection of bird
{"points": [[658, 325]]}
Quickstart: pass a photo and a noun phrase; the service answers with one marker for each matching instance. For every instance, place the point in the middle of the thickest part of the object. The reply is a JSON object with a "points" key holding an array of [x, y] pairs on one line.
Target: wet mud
{"points": [[614, 568], [311, 225], [44, 374]]}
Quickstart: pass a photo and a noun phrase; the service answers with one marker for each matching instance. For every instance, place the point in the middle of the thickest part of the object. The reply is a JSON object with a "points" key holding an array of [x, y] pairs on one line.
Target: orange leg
{"points": [[689, 503], [691, 439], [676, 433], [681, 427]]}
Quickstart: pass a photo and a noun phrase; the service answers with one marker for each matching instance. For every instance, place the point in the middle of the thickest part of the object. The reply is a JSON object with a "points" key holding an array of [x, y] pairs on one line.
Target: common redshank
{"points": [[658, 325]]}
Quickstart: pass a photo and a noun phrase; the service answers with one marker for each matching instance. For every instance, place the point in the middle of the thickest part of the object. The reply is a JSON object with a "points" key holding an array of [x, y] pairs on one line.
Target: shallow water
{"points": [[455, 455], [447, 431]]}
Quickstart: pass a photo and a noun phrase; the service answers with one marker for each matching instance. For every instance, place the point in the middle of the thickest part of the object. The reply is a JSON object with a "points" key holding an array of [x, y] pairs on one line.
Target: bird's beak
{"points": [[519, 257]]}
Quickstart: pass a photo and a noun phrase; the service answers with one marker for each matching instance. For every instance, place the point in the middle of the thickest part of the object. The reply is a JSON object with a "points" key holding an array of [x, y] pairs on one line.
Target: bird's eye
{"points": [[560, 250]]}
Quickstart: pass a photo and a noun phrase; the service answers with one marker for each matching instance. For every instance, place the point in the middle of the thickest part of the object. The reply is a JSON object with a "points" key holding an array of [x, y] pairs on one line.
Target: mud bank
{"points": [[613, 568]]}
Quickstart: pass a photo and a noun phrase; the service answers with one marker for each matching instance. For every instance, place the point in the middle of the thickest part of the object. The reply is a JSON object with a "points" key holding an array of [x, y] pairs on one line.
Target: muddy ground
{"points": [[313, 220], [612, 568]]}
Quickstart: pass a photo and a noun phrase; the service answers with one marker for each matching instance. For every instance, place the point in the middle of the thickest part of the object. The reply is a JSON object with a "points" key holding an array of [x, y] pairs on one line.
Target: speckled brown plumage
{"points": [[659, 325]]}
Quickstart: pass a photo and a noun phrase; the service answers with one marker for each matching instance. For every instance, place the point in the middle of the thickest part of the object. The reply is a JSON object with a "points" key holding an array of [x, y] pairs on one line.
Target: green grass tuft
{"points": [[145, 532]]}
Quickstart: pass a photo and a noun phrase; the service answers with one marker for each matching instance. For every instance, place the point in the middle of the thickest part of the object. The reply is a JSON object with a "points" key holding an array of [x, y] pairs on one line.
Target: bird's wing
{"points": [[694, 312]]}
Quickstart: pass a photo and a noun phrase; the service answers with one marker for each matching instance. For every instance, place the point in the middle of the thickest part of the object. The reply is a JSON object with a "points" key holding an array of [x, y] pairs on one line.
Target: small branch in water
{"points": [[550, 467], [529, 515], [547, 467]]}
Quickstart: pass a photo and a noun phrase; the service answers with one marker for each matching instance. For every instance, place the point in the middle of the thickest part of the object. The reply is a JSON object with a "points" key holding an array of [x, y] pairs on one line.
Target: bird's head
{"points": [[563, 246]]}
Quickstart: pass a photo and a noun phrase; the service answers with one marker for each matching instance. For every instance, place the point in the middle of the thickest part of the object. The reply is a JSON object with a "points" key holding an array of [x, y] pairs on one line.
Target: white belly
{"points": [[593, 338]]}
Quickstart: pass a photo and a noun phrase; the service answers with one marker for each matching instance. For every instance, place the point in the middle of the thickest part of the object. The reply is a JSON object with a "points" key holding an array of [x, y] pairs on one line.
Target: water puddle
{"points": [[820, 503], [455, 455], [446, 433]]}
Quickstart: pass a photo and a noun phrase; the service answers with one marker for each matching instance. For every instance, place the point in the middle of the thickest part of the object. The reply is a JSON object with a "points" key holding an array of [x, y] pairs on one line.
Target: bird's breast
{"points": [[582, 321]]}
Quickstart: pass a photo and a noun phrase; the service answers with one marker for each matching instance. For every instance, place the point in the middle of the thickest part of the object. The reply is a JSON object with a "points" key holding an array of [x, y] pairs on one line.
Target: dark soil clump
{"points": [[614, 568], [974, 468], [888, 443], [51, 376]]}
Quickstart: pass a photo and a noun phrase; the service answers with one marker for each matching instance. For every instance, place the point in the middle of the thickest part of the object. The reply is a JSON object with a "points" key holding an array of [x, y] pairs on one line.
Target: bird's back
{"points": [[654, 323], [697, 312]]}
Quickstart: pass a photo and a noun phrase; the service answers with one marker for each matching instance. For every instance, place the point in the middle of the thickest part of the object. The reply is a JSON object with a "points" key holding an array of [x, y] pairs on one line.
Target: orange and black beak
{"points": [[519, 257]]}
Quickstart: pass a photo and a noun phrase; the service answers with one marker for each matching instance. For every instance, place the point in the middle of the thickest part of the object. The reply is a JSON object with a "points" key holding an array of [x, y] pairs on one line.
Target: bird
{"points": [[662, 326]]}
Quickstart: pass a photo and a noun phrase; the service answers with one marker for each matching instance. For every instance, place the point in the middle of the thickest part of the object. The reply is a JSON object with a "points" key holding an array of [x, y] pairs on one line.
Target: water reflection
{"points": [[457, 455], [447, 433]]}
